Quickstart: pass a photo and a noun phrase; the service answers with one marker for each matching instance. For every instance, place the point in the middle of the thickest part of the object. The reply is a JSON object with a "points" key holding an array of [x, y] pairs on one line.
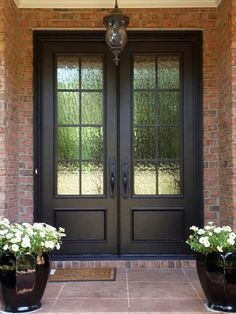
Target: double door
{"points": [[119, 163]]}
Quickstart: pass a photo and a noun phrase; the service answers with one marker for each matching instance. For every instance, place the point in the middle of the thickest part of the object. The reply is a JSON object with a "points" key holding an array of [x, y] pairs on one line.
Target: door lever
{"points": [[112, 176], [124, 176]]}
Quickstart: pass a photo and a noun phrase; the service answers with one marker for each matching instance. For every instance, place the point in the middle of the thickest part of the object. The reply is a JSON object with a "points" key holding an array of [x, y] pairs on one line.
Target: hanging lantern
{"points": [[116, 36]]}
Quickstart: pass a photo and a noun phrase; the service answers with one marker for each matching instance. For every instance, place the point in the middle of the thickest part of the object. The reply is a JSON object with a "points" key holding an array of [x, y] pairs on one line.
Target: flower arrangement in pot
{"points": [[25, 263], [216, 264]]}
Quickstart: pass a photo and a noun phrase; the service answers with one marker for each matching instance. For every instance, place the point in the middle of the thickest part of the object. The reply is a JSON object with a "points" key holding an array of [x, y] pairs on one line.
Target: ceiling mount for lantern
{"points": [[116, 36]]}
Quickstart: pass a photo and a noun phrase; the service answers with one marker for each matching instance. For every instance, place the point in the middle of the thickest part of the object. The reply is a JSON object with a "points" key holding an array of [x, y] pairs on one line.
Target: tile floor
{"points": [[134, 291]]}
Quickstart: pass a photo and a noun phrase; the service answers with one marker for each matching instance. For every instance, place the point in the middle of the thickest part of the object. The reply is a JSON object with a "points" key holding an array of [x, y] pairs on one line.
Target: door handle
{"points": [[124, 176], [112, 176]]}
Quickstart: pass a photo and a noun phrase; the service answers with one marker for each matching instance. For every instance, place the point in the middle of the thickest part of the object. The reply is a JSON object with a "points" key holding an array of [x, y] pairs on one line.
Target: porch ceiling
{"points": [[110, 3]]}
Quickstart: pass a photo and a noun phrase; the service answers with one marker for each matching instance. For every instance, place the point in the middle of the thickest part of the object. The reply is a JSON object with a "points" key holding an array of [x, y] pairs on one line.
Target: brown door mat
{"points": [[83, 274]]}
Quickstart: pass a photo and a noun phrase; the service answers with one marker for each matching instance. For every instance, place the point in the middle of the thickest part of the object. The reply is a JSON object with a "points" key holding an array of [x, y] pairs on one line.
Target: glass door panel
{"points": [[80, 125]]}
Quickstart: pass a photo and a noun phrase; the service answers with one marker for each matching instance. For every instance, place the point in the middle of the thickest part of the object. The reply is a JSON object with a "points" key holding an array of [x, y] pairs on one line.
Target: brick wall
{"points": [[217, 133], [8, 110]]}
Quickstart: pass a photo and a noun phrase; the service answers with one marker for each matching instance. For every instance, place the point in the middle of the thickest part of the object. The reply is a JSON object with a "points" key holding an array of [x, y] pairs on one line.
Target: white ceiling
{"points": [[110, 3]]}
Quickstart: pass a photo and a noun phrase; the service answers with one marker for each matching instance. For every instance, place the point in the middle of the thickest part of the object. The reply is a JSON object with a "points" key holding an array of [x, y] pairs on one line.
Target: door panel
{"points": [[120, 147], [78, 138]]}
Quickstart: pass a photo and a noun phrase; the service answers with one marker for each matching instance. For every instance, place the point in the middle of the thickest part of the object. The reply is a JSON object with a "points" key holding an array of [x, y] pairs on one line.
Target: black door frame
{"points": [[40, 37]]}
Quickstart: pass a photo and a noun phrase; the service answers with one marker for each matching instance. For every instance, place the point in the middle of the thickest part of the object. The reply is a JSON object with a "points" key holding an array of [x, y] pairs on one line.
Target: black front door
{"points": [[119, 147]]}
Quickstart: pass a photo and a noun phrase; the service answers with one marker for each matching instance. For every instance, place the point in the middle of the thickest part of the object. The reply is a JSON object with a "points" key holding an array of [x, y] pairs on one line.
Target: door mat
{"points": [[82, 274]]}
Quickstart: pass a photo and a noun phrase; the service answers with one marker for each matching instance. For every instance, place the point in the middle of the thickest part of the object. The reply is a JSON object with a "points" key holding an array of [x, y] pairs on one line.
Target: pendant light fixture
{"points": [[116, 36]]}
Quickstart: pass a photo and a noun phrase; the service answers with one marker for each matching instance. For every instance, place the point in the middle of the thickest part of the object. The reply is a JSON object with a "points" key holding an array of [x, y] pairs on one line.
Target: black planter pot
{"points": [[23, 281], [217, 274]]}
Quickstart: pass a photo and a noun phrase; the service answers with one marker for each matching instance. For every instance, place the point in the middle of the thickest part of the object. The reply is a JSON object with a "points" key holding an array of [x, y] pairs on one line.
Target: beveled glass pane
{"points": [[68, 178], [168, 72], [144, 143], [68, 107], [169, 107], [144, 178], [92, 143], [67, 72], [92, 108], [144, 72], [92, 178], [68, 143], [168, 178], [168, 142], [144, 107], [92, 72]]}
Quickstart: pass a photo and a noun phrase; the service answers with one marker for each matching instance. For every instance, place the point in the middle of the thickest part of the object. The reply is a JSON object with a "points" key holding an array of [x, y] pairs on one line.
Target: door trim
{"points": [[40, 37]]}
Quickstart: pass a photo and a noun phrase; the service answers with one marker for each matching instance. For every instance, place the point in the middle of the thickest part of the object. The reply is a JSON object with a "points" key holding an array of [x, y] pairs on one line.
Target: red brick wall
{"points": [[214, 126], [8, 110]]}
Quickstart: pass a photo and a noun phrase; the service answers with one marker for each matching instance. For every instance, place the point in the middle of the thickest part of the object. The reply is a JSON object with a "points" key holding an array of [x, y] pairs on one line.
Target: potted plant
{"points": [[25, 263], [216, 264]]}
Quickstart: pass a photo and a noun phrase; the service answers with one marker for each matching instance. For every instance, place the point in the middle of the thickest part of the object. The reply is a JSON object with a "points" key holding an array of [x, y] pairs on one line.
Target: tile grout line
{"points": [[127, 288], [57, 297], [194, 290]]}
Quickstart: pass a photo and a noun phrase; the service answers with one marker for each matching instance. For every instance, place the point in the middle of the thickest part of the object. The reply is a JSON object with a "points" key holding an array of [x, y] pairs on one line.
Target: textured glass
{"points": [[168, 178], [168, 72], [168, 142], [144, 143], [92, 178], [92, 143], [169, 108], [68, 143], [67, 72], [92, 108], [68, 178], [144, 107], [144, 178], [68, 107], [144, 72], [91, 72]]}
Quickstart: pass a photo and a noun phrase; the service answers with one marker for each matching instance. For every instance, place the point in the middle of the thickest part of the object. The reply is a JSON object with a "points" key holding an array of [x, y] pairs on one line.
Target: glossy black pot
{"points": [[217, 274], [23, 281]]}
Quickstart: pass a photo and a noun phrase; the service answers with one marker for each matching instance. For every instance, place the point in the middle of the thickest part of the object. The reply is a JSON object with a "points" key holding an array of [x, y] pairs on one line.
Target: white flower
{"points": [[210, 234], [15, 240], [231, 241], [49, 244], [63, 229], [194, 228], [209, 227], [202, 240], [15, 248], [206, 243], [232, 235], [201, 231], [227, 228], [3, 232], [9, 235], [210, 223], [217, 230], [30, 231], [58, 246], [5, 247], [42, 234], [219, 248], [26, 242]]}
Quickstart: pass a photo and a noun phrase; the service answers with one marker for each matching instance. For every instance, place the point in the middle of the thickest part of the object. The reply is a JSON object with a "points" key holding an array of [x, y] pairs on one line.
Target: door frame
{"points": [[195, 36]]}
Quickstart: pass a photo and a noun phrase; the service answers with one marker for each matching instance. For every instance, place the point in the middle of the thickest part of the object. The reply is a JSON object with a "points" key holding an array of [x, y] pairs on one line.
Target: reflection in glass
{"points": [[92, 143], [144, 143], [144, 107], [92, 178], [68, 72], [168, 178], [168, 143], [68, 143], [144, 178], [168, 72], [169, 107], [68, 178], [92, 108], [144, 72], [92, 72], [68, 107]]}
